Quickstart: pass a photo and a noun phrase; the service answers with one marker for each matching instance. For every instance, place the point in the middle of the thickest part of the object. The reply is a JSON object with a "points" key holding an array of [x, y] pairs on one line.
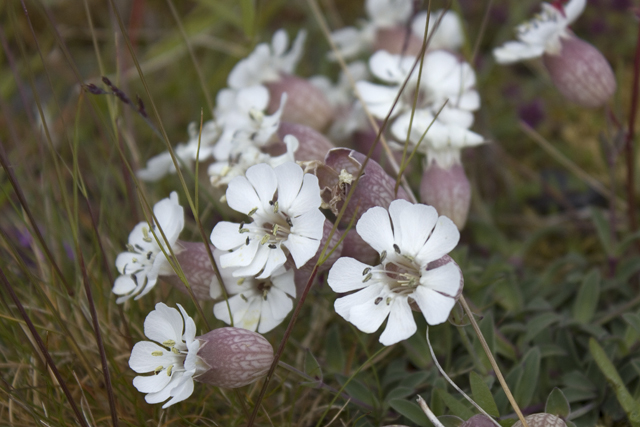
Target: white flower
{"points": [[173, 361], [341, 93], [284, 205], [162, 164], [542, 34], [382, 14], [448, 35], [144, 260], [241, 114], [444, 78], [260, 304], [442, 143], [243, 156], [407, 238], [268, 62]]}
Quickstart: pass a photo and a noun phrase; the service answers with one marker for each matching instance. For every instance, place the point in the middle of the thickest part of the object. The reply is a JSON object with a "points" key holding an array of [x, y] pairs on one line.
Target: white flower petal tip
{"points": [[283, 203], [144, 259], [543, 34], [235, 357], [170, 358], [412, 243]]}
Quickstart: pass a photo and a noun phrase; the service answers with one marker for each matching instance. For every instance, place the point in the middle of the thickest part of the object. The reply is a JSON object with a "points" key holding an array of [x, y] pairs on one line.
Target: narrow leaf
{"points": [[410, 410], [528, 383], [455, 405], [630, 406], [311, 366], [587, 300], [482, 395]]}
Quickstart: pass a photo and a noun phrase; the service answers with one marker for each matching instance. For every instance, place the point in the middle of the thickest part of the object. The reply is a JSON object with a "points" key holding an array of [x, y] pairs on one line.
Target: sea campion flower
{"points": [[448, 35], [445, 78], [144, 261], [257, 304], [283, 203], [267, 62], [579, 71], [172, 358], [408, 238]]}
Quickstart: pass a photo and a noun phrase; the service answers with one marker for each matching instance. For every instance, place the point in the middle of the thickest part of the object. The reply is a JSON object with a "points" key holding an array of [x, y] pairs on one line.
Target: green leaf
{"points": [[633, 320], [527, 385], [410, 410], [311, 366], [630, 406], [539, 324], [455, 405], [399, 393], [587, 300], [557, 404], [482, 395], [335, 359], [602, 227], [508, 422], [451, 421]]}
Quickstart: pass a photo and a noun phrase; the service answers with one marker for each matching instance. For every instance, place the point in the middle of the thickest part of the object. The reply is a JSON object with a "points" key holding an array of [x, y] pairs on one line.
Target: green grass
{"points": [[544, 283]]}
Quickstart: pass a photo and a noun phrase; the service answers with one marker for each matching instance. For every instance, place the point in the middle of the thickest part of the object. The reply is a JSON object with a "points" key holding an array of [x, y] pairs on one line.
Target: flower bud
{"points": [[313, 144], [235, 357], [478, 420], [306, 104], [375, 187], [397, 41], [581, 73], [196, 265], [542, 420], [448, 191]]}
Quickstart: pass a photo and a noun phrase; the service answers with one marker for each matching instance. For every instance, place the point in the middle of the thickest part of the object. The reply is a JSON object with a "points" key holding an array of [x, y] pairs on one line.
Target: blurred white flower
{"points": [[144, 261], [284, 205], [268, 62], [444, 78], [260, 304], [543, 34], [408, 237], [172, 358], [448, 35], [352, 41]]}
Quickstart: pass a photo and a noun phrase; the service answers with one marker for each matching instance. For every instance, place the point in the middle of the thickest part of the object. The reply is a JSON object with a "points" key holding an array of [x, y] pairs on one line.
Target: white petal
{"points": [[241, 196], [257, 263], [238, 306], [434, 306], [123, 285], [375, 228], [170, 216], [388, 67], [302, 248], [151, 383], [444, 238], [309, 224], [308, 198], [182, 390], [289, 177], [284, 281], [346, 275], [164, 323], [264, 180], [189, 326], [157, 167], [142, 241], [152, 279], [226, 236], [401, 324], [379, 99], [274, 310], [414, 225], [242, 256], [275, 259], [444, 279], [142, 360], [251, 317], [456, 117], [345, 304], [573, 9], [369, 316], [516, 51], [252, 97]]}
